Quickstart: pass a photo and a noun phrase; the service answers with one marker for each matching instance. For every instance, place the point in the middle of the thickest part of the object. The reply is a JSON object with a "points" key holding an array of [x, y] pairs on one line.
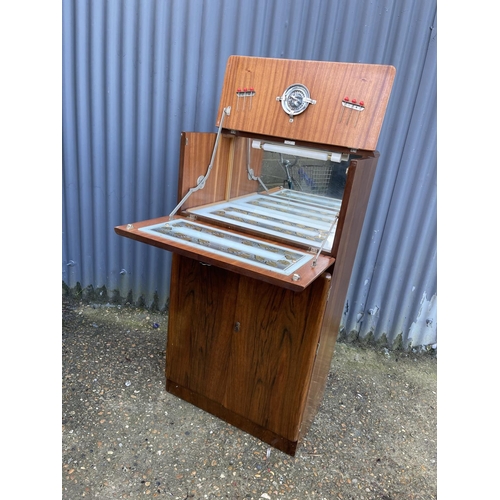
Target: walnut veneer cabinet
{"points": [[264, 236]]}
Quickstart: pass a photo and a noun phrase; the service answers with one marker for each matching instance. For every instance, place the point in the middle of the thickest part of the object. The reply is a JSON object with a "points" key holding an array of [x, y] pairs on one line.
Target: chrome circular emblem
{"points": [[295, 99]]}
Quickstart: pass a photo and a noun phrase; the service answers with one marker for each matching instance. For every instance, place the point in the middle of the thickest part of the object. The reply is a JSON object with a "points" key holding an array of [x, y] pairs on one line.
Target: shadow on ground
{"points": [[124, 436]]}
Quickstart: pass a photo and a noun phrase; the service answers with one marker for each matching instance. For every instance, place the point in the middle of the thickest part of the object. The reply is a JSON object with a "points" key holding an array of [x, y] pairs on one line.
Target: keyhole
{"points": [[237, 326]]}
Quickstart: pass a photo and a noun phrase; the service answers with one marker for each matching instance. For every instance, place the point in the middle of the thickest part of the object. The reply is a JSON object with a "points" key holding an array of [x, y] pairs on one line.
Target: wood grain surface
{"points": [[327, 121], [248, 344], [244, 345]]}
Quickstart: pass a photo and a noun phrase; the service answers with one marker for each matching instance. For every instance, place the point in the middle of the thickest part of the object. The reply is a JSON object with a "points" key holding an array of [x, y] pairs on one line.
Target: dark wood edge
{"points": [[182, 149], [239, 421], [343, 208]]}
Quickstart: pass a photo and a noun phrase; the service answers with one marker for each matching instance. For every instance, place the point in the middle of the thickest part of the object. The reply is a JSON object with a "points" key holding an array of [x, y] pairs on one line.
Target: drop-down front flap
{"points": [[275, 263]]}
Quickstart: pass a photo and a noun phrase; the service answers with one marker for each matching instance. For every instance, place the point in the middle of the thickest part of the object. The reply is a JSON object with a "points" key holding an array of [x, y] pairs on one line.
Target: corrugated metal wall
{"points": [[138, 73]]}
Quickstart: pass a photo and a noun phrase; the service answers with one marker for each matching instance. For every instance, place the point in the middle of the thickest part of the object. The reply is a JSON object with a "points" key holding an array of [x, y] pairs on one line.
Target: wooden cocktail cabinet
{"points": [[264, 236]]}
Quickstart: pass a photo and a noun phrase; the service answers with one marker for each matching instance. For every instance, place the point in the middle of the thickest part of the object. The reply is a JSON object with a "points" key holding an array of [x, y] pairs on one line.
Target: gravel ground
{"points": [[124, 436]]}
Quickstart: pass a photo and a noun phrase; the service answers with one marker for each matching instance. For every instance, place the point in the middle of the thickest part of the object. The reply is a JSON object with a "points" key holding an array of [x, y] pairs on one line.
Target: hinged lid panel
{"points": [[274, 263], [321, 102]]}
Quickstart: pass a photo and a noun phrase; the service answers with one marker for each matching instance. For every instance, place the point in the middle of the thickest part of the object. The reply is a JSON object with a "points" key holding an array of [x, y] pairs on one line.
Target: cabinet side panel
{"points": [[342, 269], [245, 155], [196, 153]]}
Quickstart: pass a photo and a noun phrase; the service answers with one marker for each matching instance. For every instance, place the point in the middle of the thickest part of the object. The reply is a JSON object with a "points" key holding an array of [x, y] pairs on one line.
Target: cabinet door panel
{"points": [[244, 344], [273, 353], [200, 326]]}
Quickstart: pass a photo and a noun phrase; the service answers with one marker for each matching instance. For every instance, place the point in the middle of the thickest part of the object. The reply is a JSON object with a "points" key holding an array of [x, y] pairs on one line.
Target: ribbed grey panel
{"points": [[138, 73], [393, 287]]}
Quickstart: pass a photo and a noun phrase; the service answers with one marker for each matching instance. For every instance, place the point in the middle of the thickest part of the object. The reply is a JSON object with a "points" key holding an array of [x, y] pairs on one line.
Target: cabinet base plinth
{"points": [[216, 409]]}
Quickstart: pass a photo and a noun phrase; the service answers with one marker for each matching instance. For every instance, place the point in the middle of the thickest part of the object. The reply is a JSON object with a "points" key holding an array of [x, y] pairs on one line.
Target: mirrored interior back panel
{"points": [[297, 198]]}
